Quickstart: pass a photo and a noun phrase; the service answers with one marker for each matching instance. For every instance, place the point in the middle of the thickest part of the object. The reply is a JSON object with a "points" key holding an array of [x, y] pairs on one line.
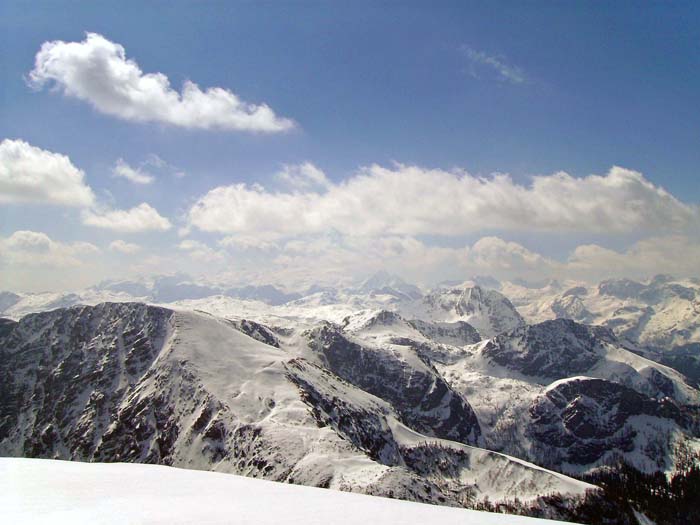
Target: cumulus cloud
{"points": [[499, 65], [200, 251], [135, 175], [29, 248], [97, 71], [140, 218], [303, 176], [32, 175], [410, 201], [124, 247]]}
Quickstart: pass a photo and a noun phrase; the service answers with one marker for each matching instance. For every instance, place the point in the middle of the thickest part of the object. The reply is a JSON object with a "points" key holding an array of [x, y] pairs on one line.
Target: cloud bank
{"points": [[97, 71], [408, 200]]}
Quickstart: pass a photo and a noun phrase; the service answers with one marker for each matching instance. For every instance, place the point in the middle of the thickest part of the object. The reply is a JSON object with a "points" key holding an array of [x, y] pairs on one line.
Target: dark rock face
{"points": [[419, 394], [69, 368], [257, 331], [685, 359], [6, 326], [553, 349], [585, 418]]}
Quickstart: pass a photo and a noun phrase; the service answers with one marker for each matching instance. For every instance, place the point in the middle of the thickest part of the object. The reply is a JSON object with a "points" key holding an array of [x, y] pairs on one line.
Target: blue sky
{"points": [[527, 89]]}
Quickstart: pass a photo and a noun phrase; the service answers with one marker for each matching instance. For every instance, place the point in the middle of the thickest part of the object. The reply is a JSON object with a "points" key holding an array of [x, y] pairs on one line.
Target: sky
{"points": [[310, 142]]}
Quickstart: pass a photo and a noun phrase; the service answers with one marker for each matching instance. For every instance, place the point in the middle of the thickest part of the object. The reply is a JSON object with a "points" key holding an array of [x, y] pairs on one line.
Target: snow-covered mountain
{"points": [[454, 396], [136, 383]]}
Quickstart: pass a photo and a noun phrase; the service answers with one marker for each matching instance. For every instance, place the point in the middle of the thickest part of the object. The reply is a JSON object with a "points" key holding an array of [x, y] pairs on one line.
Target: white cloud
{"points": [[32, 175], [409, 201], [498, 64], [135, 175], [303, 176], [97, 71], [200, 251], [141, 218], [124, 247], [29, 248]]}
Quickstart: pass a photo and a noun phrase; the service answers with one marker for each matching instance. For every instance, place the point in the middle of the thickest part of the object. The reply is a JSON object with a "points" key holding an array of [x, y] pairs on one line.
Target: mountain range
{"points": [[469, 395]]}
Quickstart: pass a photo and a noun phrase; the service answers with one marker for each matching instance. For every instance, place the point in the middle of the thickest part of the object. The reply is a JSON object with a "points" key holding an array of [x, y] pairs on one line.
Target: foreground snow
{"points": [[47, 491]]}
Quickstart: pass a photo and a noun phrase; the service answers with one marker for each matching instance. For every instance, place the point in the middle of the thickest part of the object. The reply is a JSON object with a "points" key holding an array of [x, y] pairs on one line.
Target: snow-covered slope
{"points": [[570, 396], [61, 492]]}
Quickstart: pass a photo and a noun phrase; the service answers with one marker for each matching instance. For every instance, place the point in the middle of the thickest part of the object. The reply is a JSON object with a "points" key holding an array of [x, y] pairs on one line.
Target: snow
{"points": [[47, 491]]}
